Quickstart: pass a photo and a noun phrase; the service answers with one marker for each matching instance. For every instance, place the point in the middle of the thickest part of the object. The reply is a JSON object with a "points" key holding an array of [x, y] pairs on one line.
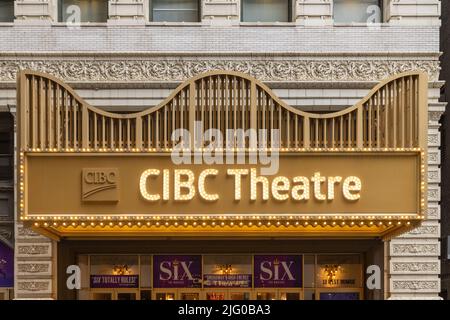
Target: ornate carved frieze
{"points": [[34, 268], [434, 156], [415, 249], [35, 286], [424, 231], [415, 267], [103, 70], [434, 193], [433, 212], [434, 139], [415, 285], [434, 115], [34, 250], [434, 176]]}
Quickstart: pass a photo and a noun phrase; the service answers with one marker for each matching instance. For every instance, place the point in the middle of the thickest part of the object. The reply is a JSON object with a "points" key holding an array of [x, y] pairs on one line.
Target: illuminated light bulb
{"points": [[222, 224]]}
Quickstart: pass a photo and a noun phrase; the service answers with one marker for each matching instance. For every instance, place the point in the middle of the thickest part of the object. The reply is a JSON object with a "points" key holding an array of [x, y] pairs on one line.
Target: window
{"points": [[448, 247], [175, 10], [362, 11], [5, 205], [7, 11], [76, 11], [266, 10]]}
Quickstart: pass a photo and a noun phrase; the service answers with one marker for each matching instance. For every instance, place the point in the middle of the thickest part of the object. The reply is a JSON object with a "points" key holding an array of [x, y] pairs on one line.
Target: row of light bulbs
{"points": [[226, 224]]}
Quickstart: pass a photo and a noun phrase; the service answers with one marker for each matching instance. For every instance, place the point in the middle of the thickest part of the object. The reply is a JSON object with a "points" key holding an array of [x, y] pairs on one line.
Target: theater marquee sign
{"points": [[357, 172]]}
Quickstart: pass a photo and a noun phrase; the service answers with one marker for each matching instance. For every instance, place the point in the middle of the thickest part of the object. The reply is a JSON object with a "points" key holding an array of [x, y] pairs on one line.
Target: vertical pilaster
{"points": [[30, 11], [313, 12], [220, 12], [35, 275], [414, 264], [423, 12], [128, 11]]}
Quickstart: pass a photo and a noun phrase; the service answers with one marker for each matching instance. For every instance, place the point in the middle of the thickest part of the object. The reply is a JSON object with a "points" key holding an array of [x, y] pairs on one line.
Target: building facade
{"points": [[302, 57], [445, 95]]}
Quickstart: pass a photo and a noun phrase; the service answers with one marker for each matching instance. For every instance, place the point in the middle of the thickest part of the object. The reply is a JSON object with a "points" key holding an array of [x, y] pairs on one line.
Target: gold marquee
{"points": [[66, 146]]}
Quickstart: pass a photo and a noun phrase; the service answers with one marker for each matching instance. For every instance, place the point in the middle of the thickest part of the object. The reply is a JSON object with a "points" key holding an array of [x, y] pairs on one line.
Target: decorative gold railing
{"points": [[55, 118]]}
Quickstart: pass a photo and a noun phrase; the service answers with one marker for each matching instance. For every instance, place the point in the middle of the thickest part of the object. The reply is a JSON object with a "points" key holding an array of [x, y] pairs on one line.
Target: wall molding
{"points": [[162, 69]]}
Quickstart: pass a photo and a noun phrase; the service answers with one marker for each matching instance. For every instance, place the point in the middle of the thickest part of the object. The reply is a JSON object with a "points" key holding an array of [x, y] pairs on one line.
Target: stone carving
{"points": [[415, 249], [33, 286], [415, 267], [434, 157], [434, 115], [433, 139], [33, 267], [33, 249], [414, 285], [433, 212], [425, 230], [433, 175], [179, 70]]}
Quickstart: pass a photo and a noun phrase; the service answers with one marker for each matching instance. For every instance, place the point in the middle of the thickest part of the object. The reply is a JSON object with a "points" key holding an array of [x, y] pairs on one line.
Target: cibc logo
{"points": [[100, 184]]}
